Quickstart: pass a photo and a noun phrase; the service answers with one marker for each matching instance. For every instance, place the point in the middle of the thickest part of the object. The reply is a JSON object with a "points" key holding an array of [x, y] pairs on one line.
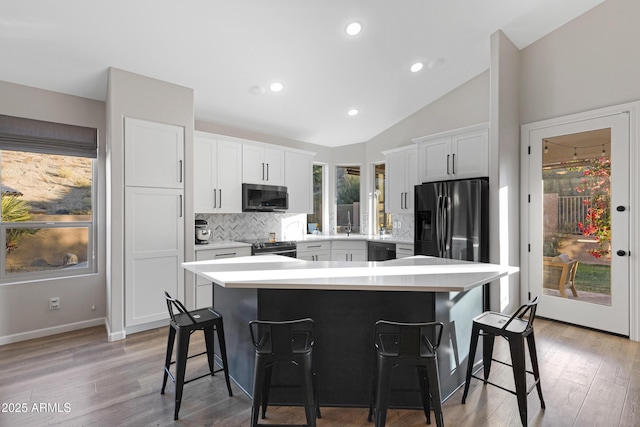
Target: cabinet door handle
{"points": [[448, 164], [314, 246], [180, 172], [230, 254], [220, 192], [262, 171], [405, 200], [215, 198], [267, 171], [180, 208], [453, 163]]}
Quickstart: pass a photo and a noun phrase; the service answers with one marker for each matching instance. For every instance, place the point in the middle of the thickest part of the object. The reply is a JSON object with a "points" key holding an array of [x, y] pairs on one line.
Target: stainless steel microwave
{"points": [[264, 198]]}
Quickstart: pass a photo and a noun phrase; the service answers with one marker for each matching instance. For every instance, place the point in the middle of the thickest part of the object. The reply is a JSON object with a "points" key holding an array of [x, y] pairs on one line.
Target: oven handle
{"points": [[284, 252]]}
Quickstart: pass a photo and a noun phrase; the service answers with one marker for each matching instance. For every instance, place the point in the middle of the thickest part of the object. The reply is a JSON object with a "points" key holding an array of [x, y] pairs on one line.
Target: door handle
{"points": [[453, 164], [621, 208], [267, 171], [448, 164], [220, 192], [622, 253], [215, 198], [180, 171], [263, 171]]}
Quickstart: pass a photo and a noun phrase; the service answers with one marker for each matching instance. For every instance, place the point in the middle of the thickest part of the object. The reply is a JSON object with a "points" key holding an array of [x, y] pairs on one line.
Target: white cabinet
{"points": [[355, 250], [455, 155], [298, 175], [401, 177], [154, 219], [314, 251], [262, 165], [154, 154], [404, 250], [217, 174], [204, 288]]}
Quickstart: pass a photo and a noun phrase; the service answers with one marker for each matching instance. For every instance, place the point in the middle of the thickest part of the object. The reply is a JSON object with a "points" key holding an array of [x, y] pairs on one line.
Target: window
{"points": [[348, 199], [315, 220], [48, 199], [382, 221]]}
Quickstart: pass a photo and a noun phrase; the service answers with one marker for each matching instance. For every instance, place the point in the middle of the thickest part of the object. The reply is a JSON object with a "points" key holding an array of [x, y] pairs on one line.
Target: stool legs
{"points": [[181, 366], [434, 389], [167, 360], [423, 381], [475, 332], [382, 391], [223, 353], [533, 354]]}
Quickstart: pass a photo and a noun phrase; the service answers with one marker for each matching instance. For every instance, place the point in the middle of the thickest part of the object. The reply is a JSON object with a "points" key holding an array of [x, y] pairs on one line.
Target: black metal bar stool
{"points": [[514, 329], [183, 324], [287, 342], [411, 344]]}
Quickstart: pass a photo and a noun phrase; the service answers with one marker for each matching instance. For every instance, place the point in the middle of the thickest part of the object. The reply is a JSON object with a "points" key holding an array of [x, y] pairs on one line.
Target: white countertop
{"points": [[417, 273]]}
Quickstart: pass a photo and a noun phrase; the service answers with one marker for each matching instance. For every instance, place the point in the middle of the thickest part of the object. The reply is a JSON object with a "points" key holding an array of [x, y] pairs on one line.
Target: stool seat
{"points": [[182, 325], [515, 329], [288, 343], [409, 344]]}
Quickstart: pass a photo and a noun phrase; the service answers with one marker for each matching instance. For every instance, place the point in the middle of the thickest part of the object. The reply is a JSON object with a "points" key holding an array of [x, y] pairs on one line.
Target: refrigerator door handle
{"points": [[446, 238], [438, 221]]}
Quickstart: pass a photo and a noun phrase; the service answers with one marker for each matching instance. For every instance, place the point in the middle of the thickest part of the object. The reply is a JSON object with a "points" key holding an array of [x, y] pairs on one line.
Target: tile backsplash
{"points": [[257, 226]]}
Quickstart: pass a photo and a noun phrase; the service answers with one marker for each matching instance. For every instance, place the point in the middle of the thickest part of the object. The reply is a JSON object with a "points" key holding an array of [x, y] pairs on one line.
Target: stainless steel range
{"points": [[285, 248]]}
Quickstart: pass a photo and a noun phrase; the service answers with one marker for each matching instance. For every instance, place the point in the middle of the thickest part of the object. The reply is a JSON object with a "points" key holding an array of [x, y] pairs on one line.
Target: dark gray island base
{"points": [[344, 352]]}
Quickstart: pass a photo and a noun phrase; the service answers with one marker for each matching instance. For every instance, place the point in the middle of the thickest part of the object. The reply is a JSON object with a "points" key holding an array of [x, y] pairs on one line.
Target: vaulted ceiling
{"points": [[230, 52]]}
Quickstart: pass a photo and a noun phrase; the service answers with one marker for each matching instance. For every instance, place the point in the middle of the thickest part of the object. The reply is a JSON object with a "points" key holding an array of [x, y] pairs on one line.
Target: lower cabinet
{"points": [[404, 250], [314, 251], [354, 250], [204, 289]]}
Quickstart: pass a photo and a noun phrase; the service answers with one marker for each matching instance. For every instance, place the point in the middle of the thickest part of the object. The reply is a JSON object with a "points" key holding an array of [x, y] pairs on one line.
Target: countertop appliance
{"points": [[452, 220], [284, 248], [264, 198], [202, 232], [381, 251]]}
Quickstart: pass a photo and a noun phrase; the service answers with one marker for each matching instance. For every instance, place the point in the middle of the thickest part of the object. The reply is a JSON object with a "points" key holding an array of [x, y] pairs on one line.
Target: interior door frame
{"points": [[633, 110]]}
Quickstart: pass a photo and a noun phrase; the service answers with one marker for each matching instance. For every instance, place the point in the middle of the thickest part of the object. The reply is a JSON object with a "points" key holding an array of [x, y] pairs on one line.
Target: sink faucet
{"points": [[348, 223]]}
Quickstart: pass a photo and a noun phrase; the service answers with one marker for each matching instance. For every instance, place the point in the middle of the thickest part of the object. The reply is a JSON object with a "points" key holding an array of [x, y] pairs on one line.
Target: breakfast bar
{"points": [[345, 300]]}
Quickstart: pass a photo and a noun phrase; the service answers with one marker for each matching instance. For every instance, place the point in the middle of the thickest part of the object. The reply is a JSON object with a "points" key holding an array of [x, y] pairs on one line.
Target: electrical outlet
{"points": [[54, 303]]}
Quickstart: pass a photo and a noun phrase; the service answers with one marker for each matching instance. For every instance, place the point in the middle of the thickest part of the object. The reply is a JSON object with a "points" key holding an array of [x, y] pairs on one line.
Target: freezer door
{"points": [[428, 230], [467, 230]]}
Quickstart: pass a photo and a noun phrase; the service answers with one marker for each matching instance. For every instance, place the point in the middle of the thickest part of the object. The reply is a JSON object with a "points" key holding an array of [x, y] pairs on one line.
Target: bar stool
{"points": [[184, 323], [286, 342], [514, 329], [410, 344]]}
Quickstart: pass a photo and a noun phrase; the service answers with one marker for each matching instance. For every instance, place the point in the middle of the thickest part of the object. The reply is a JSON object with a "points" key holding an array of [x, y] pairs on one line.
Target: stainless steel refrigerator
{"points": [[452, 219]]}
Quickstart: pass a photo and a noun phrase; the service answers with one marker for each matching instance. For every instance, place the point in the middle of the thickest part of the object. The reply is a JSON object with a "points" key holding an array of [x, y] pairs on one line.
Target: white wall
{"points": [[24, 307]]}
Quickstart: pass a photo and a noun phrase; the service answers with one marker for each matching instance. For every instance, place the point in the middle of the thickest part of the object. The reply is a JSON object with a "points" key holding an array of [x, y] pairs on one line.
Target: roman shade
{"points": [[20, 134]]}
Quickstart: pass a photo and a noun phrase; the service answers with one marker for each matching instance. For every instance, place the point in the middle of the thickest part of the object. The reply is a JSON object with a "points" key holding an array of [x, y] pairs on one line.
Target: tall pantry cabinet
{"points": [[154, 218]]}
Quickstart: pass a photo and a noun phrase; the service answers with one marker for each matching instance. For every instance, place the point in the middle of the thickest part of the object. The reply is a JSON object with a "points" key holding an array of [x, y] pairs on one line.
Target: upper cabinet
{"points": [[218, 174], [154, 154], [457, 154], [401, 177], [298, 175], [262, 165]]}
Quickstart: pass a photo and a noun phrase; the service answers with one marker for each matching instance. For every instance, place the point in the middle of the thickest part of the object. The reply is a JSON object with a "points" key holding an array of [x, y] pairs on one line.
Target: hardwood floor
{"points": [[79, 379]]}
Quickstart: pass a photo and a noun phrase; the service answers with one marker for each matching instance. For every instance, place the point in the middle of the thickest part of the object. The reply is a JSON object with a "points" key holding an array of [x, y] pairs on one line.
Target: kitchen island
{"points": [[345, 300]]}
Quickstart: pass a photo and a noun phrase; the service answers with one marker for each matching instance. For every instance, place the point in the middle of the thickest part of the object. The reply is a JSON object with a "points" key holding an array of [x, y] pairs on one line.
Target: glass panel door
{"points": [[579, 230]]}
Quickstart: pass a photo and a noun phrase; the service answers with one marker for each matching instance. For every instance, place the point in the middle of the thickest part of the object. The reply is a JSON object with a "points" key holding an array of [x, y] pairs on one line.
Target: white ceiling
{"points": [[223, 48]]}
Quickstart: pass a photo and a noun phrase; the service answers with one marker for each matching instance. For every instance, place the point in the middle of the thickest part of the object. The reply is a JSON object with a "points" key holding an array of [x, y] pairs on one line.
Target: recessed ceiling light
{"points": [[276, 87], [416, 67], [353, 112], [353, 28]]}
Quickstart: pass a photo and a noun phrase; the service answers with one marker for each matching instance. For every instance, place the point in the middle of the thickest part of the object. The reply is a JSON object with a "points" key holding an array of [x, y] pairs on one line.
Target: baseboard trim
{"points": [[39, 333]]}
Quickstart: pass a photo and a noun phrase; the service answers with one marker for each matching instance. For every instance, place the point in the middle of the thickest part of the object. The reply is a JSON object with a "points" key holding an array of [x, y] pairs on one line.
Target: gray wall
{"points": [[24, 307], [589, 63]]}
